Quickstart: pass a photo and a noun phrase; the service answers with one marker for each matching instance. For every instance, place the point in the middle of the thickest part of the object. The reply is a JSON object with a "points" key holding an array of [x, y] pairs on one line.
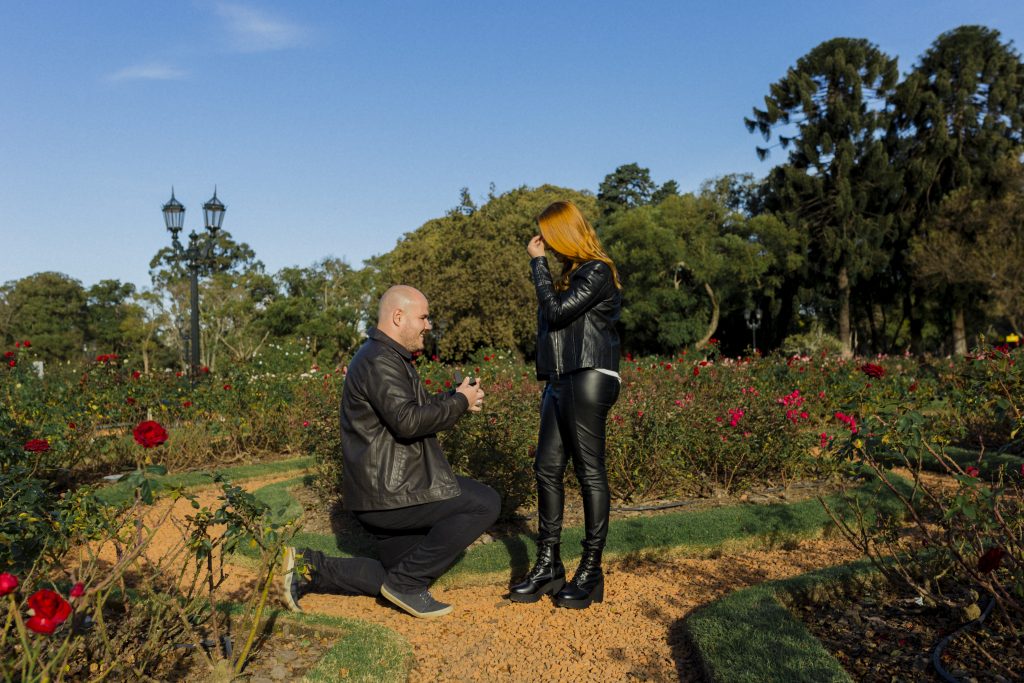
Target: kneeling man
{"points": [[396, 480]]}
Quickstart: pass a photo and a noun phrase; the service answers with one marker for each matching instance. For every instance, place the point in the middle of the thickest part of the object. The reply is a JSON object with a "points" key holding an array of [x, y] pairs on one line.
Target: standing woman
{"points": [[578, 356]]}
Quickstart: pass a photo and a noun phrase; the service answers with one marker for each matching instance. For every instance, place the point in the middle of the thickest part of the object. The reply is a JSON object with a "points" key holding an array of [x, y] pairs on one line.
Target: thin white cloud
{"points": [[253, 30], [148, 72]]}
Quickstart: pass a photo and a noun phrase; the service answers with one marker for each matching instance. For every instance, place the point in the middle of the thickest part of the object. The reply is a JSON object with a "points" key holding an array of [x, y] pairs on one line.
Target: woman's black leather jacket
{"points": [[576, 328]]}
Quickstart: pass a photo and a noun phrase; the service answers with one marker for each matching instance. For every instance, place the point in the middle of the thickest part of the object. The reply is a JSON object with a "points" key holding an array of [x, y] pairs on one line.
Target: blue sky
{"points": [[331, 128]]}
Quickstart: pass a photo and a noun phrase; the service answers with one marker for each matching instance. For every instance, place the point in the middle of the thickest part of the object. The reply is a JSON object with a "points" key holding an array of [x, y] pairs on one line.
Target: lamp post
{"points": [[753, 319], [199, 252]]}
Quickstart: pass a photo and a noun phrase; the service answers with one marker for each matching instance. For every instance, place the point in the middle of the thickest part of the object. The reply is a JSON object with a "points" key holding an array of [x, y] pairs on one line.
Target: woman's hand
{"points": [[535, 247]]}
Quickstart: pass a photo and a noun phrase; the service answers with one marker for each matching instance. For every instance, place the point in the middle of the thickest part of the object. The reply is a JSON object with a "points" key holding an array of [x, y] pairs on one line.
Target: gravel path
{"points": [[635, 634]]}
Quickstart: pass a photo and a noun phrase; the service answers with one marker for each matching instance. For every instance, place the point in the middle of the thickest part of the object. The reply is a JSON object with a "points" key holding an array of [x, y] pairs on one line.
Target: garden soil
{"points": [[635, 634]]}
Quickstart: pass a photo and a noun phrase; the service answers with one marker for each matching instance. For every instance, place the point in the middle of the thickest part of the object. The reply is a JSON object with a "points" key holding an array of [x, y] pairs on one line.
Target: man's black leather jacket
{"points": [[388, 424], [576, 328]]}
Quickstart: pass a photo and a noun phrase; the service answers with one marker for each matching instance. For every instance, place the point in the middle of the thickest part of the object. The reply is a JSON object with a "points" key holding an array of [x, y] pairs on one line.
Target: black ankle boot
{"points": [[546, 577], [587, 585]]}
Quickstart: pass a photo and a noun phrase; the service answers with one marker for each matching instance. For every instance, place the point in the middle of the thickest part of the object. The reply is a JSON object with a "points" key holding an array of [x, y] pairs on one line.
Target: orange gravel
{"points": [[635, 634]]}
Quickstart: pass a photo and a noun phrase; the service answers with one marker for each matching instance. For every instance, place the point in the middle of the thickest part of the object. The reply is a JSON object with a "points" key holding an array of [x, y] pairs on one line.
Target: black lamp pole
{"points": [[753, 319], [200, 252]]}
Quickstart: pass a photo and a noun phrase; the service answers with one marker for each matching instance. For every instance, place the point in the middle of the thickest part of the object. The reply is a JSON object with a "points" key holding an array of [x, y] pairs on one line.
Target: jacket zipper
{"points": [[558, 356]]}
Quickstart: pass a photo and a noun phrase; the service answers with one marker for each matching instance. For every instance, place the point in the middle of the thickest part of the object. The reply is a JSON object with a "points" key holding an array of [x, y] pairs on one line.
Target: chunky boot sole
{"points": [[596, 595], [549, 588]]}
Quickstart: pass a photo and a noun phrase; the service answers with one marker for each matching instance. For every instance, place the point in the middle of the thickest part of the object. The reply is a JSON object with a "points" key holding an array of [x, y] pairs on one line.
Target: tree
{"points": [[977, 244], [831, 107], [685, 263], [627, 187], [474, 270], [669, 188], [325, 305], [231, 311], [49, 309], [960, 115], [141, 324], [107, 304]]}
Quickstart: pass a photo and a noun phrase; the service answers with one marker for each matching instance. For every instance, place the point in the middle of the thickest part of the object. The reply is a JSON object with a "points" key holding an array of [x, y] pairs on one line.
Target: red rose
{"points": [[49, 610], [227, 387], [8, 582], [991, 559], [305, 423], [130, 401], [973, 471], [204, 369], [72, 425], [77, 591], [186, 404], [17, 344], [872, 370], [12, 363], [26, 343], [149, 433], [37, 446], [136, 374], [9, 354]]}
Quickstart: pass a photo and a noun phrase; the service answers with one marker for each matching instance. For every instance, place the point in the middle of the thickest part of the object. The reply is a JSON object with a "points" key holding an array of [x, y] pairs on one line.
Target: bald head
{"points": [[403, 314]]}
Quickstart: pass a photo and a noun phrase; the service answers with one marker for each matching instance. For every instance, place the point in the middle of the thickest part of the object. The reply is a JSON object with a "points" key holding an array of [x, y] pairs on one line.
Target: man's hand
{"points": [[535, 247], [473, 393]]}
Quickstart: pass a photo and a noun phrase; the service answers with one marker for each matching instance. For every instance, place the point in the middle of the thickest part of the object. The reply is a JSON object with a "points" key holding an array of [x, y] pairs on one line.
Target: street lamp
{"points": [[753, 319], [199, 252]]}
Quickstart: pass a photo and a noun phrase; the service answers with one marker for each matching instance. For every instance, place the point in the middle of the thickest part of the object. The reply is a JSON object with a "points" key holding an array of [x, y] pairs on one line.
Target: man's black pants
{"points": [[416, 544]]}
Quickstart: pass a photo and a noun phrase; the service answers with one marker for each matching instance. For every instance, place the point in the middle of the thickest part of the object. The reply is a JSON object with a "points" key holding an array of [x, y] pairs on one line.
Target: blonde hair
{"points": [[568, 233]]}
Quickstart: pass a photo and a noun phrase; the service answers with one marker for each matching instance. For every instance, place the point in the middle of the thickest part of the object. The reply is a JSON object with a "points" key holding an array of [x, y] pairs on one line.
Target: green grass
{"points": [[749, 637], [121, 492], [367, 652]]}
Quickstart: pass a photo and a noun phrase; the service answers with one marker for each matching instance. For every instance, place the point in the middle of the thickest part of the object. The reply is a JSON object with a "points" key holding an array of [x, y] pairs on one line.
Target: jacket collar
{"points": [[376, 335]]}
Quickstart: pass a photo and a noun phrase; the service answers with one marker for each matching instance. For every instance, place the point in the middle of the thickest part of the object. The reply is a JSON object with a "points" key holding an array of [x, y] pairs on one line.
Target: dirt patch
{"points": [[886, 634]]}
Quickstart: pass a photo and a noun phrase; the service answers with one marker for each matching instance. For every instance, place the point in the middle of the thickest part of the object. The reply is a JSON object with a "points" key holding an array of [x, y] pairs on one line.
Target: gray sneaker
{"points": [[293, 584], [420, 604]]}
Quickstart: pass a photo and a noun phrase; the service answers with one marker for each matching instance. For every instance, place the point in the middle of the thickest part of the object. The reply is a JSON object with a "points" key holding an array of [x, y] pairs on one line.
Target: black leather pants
{"points": [[573, 412]]}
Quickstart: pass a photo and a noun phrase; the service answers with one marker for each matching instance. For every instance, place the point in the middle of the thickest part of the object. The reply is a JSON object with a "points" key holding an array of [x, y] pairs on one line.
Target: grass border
{"points": [[368, 653], [122, 492], [734, 528], [749, 636]]}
